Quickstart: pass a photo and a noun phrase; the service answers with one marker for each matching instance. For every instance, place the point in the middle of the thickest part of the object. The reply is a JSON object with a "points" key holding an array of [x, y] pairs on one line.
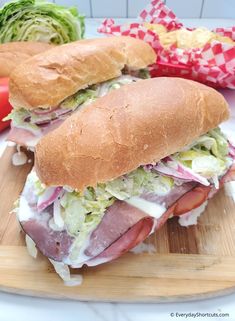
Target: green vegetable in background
{"points": [[36, 20]]}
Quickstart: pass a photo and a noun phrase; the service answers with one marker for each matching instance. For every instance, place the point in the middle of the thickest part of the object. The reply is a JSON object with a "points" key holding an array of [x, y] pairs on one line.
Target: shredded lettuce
{"points": [[115, 83], [37, 20], [79, 98], [19, 119], [89, 206], [137, 182], [207, 156], [214, 142], [144, 73], [140, 73]]}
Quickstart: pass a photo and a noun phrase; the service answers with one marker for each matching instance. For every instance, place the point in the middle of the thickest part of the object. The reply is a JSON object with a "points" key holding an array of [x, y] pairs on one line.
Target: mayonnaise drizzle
{"points": [[153, 209], [19, 158], [230, 189]]}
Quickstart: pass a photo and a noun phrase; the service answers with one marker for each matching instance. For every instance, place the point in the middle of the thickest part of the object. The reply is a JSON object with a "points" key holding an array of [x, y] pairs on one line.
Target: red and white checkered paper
{"points": [[214, 64]]}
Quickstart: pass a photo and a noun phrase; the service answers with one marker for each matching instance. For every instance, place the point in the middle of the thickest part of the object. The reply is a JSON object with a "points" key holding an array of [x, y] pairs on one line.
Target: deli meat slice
{"points": [[229, 176], [142, 229], [118, 219], [180, 200], [26, 138], [135, 235], [21, 136], [53, 244]]}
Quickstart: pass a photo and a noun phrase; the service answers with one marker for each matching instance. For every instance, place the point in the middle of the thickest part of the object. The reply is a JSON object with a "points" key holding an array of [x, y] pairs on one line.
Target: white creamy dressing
{"points": [[154, 227], [58, 220], [24, 212], [54, 226], [11, 144], [82, 257], [143, 248], [152, 209], [19, 158], [230, 189], [191, 217]]}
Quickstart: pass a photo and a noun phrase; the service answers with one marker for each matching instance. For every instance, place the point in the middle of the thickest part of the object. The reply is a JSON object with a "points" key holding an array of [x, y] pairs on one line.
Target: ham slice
{"points": [[229, 176], [108, 231], [24, 137], [135, 235], [180, 200], [53, 244]]}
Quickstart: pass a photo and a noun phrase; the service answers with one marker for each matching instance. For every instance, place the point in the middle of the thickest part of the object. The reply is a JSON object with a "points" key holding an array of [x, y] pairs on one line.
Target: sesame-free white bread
{"points": [[47, 79], [135, 125], [14, 53]]}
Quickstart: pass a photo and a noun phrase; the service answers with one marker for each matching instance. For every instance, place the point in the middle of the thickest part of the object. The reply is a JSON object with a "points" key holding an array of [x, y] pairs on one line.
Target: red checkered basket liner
{"points": [[214, 64]]}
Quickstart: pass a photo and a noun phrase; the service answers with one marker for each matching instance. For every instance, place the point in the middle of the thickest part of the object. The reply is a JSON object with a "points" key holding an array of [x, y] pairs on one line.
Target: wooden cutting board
{"points": [[192, 262]]}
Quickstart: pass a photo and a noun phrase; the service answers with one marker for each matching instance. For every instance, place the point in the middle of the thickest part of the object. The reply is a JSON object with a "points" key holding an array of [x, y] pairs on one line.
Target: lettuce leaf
{"points": [[19, 117], [207, 156], [37, 20], [79, 98]]}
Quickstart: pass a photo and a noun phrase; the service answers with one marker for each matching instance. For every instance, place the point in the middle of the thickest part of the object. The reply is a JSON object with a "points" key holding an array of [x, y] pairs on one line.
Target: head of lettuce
{"points": [[37, 20]]}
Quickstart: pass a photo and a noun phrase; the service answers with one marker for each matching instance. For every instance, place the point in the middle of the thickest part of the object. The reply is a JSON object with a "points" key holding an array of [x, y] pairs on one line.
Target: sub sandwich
{"points": [[51, 86], [14, 53], [113, 173]]}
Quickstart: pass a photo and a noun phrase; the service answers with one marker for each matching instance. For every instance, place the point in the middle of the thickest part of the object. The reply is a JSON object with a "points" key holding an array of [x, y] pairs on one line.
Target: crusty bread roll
{"points": [[14, 53], [135, 125], [47, 79]]}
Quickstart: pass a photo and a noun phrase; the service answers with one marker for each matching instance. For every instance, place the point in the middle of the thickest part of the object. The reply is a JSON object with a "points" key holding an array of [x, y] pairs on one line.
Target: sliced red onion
{"points": [[48, 197], [42, 122], [231, 150], [47, 117], [163, 169], [62, 111], [179, 171], [51, 126]]}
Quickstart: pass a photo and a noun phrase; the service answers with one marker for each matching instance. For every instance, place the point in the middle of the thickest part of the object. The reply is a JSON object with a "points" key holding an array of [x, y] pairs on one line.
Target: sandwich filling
{"points": [[28, 126], [102, 222]]}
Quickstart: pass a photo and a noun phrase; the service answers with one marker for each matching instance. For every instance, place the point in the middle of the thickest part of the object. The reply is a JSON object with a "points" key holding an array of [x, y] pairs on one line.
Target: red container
{"points": [[213, 64], [5, 107]]}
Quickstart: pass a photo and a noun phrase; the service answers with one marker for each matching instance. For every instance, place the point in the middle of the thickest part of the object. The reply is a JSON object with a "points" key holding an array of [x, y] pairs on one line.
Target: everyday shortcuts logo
{"points": [[194, 315]]}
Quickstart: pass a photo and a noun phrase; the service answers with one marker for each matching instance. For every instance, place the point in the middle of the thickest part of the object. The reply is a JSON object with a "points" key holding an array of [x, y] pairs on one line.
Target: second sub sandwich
{"points": [[115, 172], [51, 86], [12, 54]]}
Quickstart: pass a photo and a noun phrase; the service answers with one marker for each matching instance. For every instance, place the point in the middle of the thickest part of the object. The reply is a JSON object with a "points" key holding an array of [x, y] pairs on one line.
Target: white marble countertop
{"points": [[15, 307]]}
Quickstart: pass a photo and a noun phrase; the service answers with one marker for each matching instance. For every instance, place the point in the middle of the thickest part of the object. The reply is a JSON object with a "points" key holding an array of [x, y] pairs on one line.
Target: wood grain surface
{"points": [[189, 263]]}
